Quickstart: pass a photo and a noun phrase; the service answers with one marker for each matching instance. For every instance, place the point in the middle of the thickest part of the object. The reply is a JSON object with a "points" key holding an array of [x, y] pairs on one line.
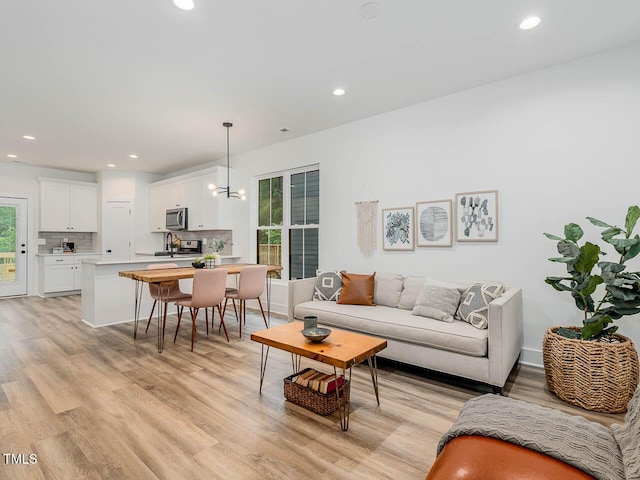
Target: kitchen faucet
{"points": [[170, 242]]}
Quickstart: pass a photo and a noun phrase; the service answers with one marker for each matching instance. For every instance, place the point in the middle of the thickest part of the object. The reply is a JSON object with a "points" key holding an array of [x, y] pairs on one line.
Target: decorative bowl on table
{"points": [[197, 264], [317, 334]]}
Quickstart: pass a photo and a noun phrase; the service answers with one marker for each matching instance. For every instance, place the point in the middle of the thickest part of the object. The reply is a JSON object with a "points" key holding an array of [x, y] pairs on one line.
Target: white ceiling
{"points": [[97, 80]]}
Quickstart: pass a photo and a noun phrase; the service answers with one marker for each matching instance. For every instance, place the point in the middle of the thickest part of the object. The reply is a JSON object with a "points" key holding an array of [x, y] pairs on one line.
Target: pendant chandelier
{"points": [[227, 190]]}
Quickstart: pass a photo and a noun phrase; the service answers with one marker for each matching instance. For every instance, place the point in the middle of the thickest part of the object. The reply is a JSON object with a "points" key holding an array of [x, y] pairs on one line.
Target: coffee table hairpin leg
{"points": [[373, 370], [344, 406]]}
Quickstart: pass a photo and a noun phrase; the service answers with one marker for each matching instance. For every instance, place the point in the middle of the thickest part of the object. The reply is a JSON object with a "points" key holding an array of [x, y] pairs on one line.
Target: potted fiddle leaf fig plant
{"points": [[592, 366]]}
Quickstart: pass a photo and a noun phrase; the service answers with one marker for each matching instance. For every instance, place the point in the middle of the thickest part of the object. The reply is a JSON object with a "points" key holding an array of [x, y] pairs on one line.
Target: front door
{"points": [[13, 246]]}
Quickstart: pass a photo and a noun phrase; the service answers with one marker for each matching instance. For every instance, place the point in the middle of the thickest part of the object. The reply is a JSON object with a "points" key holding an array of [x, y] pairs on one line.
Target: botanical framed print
{"points": [[433, 224], [397, 228], [477, 216]]}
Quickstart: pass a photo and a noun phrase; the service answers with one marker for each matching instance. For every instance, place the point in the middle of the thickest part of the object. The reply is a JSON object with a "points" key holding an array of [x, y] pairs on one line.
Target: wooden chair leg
{"points": [[264, 317], [233, 300], [180, 309], [164, 317], [206, 318], [222, 323], [151, 315], [240, 320]]}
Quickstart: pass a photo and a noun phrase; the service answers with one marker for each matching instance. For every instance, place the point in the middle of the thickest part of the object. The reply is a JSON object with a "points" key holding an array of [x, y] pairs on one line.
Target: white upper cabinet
{"points": [[68, 206], [205, 212]]}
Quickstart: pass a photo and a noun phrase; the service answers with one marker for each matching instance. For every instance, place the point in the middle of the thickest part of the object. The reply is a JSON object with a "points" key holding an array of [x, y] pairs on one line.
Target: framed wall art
{"points": [[477, 216], [433, 224], [397, 228]]}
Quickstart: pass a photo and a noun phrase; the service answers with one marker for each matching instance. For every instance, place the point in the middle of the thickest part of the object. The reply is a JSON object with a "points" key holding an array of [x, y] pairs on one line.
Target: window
{"points": [[289, 220]]}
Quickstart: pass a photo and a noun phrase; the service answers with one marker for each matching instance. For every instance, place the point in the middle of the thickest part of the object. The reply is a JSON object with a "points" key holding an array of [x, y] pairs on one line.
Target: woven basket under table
{"points": [[320, 403], [596, 376]]}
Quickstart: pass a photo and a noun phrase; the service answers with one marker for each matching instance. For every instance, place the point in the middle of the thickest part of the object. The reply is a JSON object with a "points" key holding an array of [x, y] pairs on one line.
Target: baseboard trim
{"points": [[532, 357], [109, 324]]}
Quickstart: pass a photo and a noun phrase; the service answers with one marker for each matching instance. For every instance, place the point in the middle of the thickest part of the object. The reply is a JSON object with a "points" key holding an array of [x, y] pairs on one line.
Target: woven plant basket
{"points": [[596, 376], [320, 403]]}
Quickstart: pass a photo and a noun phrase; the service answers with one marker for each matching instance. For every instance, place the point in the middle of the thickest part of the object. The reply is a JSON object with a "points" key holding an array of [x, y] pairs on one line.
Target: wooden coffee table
{"points": [[341, 350]]}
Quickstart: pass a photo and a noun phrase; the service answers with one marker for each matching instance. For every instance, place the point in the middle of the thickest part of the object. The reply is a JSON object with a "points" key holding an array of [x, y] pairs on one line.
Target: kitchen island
{"points": [[108, 299]]}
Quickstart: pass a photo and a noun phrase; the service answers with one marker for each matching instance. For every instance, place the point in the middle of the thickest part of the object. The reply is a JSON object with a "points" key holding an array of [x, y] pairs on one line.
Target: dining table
{"points": [[165, 277]]}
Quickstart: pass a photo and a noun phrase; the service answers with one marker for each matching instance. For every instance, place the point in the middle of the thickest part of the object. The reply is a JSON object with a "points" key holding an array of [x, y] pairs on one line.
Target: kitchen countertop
{"points": [[67, 254], [141, 259]]}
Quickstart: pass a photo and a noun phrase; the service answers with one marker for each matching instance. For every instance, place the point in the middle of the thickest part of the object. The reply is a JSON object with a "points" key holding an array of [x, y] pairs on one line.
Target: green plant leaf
{"points": [[625, 294], [611, 267], [568, 249], [633, 250], [588, 287], [571, 260], [555, 283], [633, 214], [567, 333], [609, 233], [594, 326], [589, 256], [573, 232], [622, 244], [598, 223], [552, 237]]}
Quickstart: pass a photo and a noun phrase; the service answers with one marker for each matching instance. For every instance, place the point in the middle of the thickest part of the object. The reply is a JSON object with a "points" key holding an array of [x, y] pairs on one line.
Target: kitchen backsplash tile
{"points": [[210, 235], [84, 241]]}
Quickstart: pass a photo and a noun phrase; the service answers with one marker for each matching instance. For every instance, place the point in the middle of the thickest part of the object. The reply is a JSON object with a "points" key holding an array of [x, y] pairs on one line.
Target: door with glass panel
{"points": [[13, 246]]}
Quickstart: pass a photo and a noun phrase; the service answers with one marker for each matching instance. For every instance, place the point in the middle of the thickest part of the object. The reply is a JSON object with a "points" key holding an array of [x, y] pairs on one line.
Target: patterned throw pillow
{"points": [[474, 306], [328, 286], [628, 437]]}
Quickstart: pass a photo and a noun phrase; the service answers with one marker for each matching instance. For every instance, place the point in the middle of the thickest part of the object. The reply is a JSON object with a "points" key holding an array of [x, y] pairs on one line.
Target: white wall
{"points": [[132, 186], [21, 181], [559, 144]]}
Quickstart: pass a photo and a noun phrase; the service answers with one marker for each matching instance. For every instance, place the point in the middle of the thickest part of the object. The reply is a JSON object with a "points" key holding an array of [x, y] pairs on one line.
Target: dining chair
{"points": [[208, 291], [170, 293], [250, 286]]}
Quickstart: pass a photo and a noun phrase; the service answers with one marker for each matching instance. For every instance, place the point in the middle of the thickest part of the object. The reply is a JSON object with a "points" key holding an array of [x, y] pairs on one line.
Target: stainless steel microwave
{"points": [[177, 219]]}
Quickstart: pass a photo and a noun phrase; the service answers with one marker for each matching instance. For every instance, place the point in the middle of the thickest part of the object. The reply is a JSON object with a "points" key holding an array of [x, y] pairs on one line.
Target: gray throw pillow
{"points": [[474, 306], [328, 286], [437, 300], [410, 291], [628, 437]]}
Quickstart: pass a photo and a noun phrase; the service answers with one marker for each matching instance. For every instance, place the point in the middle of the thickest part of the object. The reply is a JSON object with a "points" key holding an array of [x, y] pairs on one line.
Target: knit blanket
{"points": [[585, 445]]}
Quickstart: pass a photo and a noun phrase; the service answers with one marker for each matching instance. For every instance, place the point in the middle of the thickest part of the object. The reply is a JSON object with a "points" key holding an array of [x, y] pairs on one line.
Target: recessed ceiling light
{"points": [[529, 23], [11, 155], [28, 137], [110, 165], [184, 4], [133, 155], [370, 10], [339, 92]]}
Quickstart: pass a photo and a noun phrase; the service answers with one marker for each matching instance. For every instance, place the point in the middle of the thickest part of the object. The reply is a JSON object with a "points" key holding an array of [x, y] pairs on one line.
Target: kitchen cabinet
{"points": [[68, 206], [61, 274], [158, 207], [205, 212]]}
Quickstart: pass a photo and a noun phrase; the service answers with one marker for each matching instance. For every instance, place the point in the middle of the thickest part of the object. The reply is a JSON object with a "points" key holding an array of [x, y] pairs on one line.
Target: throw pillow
{"points": [[387, 289], [474, 307], [628, 437], [328, 285], [357, 289], [437, 300], [410, 291]]}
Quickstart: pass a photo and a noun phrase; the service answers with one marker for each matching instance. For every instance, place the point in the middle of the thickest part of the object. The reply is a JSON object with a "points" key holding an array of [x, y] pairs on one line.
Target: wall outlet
{"points": [[65, 239], [204, 242], [42, 241]]}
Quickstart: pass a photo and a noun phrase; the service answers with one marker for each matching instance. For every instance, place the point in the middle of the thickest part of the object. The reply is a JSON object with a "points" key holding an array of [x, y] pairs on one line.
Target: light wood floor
{"points": [[94, 403]]}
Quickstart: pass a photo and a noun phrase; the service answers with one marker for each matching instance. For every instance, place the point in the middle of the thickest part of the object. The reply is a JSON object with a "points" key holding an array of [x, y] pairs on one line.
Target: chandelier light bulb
{"points": [[241, 192], [212, 186], [184, 4], [215, 194], [243, 197]]}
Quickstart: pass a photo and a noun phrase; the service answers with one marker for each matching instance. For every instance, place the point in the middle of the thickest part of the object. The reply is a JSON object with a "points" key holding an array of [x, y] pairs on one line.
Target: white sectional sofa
{"points": [[455, 348]]}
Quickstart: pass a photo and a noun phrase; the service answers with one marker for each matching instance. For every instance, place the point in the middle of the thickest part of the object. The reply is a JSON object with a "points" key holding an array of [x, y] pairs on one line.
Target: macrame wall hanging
{"points": [[367, 213]]}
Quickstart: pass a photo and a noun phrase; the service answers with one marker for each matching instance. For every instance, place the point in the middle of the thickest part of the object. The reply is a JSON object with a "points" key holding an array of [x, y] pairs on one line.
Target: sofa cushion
{"points": [[628, 437], [328, 286], [397, 324], [387, 289], [410, 291], [437, 300], [357, 289], [474, 306]]}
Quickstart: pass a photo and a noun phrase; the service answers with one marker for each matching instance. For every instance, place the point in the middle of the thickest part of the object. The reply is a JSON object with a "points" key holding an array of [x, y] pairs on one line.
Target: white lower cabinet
{"points": [[61, 274]]}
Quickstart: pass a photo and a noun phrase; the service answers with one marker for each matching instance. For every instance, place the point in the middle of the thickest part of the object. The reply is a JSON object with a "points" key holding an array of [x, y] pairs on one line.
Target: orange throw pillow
{"points": [[357, 289]]}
